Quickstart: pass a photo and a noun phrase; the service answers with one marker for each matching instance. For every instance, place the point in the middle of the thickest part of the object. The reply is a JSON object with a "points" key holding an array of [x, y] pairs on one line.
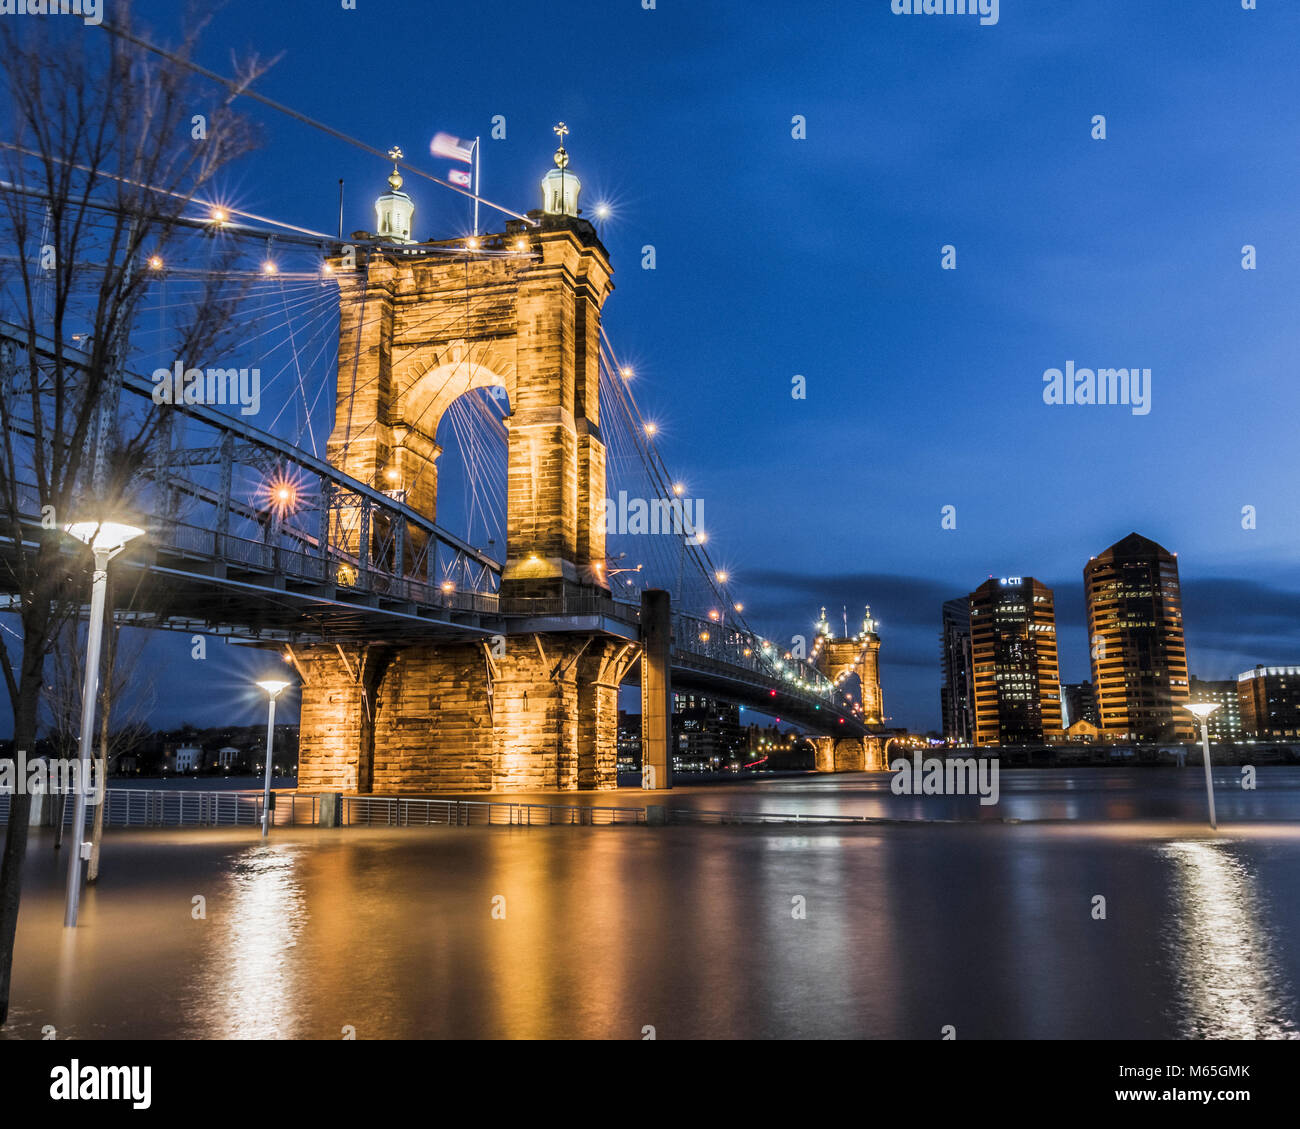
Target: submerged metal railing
{"points": [[141, 807], [391, 811], [171, 807]]}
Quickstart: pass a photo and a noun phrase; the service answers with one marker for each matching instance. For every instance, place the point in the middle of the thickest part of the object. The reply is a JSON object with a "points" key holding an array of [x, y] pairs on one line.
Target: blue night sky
{"points": [[821, 257]]}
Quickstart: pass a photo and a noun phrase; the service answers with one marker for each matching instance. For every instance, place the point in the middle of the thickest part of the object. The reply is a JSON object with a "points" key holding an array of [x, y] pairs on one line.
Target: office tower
{"points": [[1224, 724], [1270, 702], [955, 696], [707, 733], [1078, 703], [1017, 682], [1135, 631]]}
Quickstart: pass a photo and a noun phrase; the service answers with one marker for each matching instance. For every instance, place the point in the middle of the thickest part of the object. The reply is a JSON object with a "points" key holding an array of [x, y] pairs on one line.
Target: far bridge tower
{"points": [[838, 657]]}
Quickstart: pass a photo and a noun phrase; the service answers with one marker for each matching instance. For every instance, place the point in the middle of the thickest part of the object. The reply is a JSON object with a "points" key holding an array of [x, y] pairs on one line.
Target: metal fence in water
{"points": [[169, 807], [140, 807], [385, 811]]}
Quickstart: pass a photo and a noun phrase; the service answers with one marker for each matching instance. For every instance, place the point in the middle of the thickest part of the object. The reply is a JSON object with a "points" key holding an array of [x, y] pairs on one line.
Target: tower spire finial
{"points": [[393, 211], [560, 187], [561, 154]]}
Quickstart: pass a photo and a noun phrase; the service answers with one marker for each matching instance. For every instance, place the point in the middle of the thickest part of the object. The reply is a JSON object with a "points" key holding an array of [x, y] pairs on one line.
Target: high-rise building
{"points": [[955, 696], [1078, 703], [707, 734], [629, 742], [1016, 677], [1135, 628], [1270, 702], [1224, 724]]}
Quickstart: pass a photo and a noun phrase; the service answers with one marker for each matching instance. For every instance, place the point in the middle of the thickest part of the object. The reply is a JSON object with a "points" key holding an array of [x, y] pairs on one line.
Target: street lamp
{"points": [[106, 539], [1202, 711], [273, 688]]}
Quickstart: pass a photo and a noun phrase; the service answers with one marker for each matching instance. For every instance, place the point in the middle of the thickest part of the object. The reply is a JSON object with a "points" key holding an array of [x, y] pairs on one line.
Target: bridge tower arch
{"points": [[839, 658], [422, 324]]}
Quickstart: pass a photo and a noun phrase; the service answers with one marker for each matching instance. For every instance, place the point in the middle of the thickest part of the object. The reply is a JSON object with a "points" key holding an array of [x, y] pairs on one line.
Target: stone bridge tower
{"points": [[837, 658], [517, 313], [421, 325]]}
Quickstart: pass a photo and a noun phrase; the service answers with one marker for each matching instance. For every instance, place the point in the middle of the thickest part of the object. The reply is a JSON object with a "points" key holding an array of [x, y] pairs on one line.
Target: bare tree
{"points": [[101, 173]]}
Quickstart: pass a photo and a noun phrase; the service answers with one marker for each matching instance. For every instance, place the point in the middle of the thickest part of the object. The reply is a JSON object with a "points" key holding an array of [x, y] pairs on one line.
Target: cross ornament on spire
{"points": [[395, 154], [561, 155]]}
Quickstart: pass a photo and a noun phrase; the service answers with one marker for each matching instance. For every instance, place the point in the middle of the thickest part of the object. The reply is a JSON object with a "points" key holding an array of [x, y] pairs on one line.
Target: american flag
{"points": [[444, 145]]}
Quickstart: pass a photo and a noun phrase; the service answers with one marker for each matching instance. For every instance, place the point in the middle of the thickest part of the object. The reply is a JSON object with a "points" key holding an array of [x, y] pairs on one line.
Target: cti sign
{"points": [[1011, 581]]}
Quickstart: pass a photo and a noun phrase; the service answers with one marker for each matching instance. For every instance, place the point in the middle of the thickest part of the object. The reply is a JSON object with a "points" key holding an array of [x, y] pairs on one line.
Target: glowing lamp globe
{"points": [[273, 686], [103, 536]]}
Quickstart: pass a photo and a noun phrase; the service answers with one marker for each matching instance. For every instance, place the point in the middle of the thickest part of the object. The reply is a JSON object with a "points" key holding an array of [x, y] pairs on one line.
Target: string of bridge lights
{"points": [[284, 495]]}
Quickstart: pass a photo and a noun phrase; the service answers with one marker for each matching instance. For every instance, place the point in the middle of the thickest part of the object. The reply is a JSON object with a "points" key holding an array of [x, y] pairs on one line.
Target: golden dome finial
{"points": [[395, 177]]}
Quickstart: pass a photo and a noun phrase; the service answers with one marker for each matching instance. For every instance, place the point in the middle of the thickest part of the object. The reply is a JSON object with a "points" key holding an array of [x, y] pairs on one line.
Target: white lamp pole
{"points": [[106, 539], [273, 688], [1202, 711]]}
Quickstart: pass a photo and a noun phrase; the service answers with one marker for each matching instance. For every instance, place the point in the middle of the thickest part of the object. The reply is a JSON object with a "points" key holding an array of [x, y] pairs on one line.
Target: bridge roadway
{"points": [[252, 572], [256, 594]]}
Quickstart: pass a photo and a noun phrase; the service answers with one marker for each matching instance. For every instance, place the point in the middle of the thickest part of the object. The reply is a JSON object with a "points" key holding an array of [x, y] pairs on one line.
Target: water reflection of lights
{"points": [[1228, 982], [246, 990]]}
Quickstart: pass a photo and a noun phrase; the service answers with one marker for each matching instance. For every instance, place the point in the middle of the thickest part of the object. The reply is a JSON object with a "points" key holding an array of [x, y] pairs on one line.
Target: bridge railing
{"points": [[262, 500], [726, 643], [571, 604]]}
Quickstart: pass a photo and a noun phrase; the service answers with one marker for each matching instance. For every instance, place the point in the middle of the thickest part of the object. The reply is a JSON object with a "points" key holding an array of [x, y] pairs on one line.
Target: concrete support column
{"points": [[841, 754], [334, 723], [597, 720], [656, 690]]}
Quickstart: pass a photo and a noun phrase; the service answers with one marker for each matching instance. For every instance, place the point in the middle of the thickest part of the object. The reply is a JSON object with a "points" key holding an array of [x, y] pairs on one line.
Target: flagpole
{"points": [[476, 188]]}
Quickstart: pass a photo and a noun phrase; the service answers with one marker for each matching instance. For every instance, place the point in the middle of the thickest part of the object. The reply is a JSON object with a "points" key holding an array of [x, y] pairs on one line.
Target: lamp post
{"points": [[273, 688], [1201, 711], [106, 539]]}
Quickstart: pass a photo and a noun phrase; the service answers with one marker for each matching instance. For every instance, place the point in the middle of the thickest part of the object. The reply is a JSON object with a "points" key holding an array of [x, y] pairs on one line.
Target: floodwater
{"points": [[1023, 794], [894, 930]]}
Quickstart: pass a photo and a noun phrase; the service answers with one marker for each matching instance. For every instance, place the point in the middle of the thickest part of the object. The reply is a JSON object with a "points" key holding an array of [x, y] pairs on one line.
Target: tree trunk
{"points": [[57, 803], [20, 806]]}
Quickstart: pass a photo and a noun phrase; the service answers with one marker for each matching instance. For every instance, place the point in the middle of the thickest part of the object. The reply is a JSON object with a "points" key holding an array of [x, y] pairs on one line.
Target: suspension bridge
{"points": [[473, 388]]}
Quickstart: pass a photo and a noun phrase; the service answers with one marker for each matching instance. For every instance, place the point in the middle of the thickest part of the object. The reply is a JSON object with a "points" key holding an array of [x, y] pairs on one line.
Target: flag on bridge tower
{"points": [[445, 145], [456, 149]]}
